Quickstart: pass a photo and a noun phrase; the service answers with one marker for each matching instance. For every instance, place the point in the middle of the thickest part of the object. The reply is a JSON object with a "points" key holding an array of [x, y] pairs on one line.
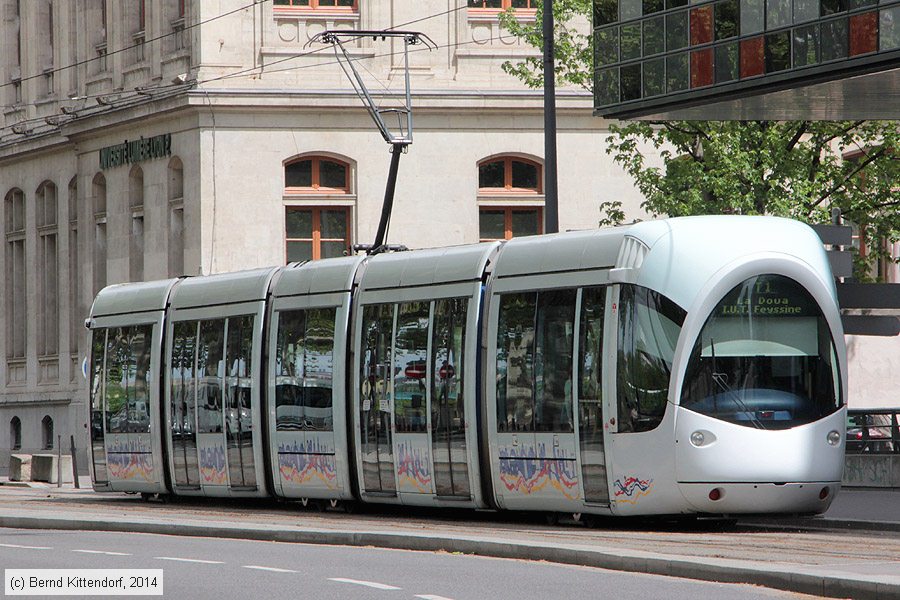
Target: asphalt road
{"points": [[215, 569]]}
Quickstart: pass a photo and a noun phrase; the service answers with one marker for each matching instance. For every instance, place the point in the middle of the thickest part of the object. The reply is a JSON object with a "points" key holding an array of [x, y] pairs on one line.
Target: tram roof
{"points": [[560, 252], [125, 298], [317, 277], [223, 288], [432, 266]]}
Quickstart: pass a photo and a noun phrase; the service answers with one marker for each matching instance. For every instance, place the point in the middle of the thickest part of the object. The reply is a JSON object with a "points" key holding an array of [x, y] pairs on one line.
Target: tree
{"points": [[799, 169]]}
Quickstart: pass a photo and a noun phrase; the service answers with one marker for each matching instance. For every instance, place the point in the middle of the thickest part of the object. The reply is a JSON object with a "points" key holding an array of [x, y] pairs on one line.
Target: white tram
{"points": [[692, 365]]}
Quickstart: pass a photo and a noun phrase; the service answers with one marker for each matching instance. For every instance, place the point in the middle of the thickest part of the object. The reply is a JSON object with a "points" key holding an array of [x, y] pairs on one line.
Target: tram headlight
{"points": [[697, 438], [834, 438]]}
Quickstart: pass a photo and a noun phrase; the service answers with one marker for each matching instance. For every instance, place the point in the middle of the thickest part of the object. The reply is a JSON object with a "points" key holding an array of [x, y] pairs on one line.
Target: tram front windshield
{"points": [[764, 358]]}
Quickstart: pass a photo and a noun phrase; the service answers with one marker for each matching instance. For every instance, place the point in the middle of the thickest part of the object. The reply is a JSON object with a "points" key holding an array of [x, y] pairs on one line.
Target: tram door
{"points": [[238, 403], [590, 398], [448, 425], [182, 404], [376, 399]]}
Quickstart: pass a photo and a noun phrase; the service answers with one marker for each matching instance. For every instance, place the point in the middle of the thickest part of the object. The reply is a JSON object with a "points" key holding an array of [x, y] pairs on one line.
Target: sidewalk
{"points": [[864, 576]]}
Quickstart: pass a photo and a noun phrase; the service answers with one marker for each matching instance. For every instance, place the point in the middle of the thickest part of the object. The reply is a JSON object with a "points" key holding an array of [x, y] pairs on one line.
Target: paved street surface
{"points": [[787, 556], [212, 568], [881, 506]]}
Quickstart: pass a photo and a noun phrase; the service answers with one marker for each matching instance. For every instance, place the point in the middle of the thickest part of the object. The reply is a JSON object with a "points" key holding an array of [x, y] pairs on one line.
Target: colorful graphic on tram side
{"points": [[632, 489], [311, 461], [522, 473], [212, 465], [413, 470], [130, 460]]}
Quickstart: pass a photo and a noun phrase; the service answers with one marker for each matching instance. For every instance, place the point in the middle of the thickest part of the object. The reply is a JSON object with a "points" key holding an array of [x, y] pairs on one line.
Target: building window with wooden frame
{"points": [[510, 197], [319, 202], [507, 223], [319, 5]]}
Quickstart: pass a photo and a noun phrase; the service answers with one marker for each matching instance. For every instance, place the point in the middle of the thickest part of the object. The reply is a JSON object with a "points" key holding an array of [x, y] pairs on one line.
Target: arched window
{"points": [[15, 434], [14, 218], [176, 217], [317, 174], [318, 207], [510, 197], [99, 251], [136, 203], [48, 275], [509, 174], [47, 432]]}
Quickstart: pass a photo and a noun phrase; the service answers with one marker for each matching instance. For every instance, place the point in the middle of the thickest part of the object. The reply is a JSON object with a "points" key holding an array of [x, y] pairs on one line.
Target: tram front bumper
{"points": [[760, 498]]}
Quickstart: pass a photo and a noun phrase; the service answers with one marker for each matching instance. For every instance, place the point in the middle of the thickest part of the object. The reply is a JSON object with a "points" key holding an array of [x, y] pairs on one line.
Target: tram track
{"points": [[745, 541]]}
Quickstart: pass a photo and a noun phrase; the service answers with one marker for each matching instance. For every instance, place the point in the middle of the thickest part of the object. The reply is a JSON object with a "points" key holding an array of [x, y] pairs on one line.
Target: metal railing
{"points": [[873, 431]]}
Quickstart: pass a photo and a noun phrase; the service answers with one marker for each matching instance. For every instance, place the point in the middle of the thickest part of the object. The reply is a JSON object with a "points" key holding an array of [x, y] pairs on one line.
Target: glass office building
{"points": [[650, 54]]}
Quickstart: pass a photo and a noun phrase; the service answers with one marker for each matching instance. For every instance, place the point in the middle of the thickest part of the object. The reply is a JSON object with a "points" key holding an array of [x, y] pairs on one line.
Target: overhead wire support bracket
{"points": [[401, 135]]}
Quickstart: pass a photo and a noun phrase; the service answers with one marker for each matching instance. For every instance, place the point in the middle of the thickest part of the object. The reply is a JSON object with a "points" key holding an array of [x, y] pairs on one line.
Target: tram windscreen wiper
{"points": [[721, 380]]}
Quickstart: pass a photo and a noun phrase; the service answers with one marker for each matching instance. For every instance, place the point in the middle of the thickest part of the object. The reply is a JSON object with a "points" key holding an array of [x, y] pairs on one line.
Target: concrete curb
{"points": [[821, 581]]}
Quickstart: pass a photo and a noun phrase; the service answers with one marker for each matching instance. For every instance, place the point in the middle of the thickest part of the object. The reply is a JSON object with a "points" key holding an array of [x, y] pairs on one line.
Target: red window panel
{"points": [[701, 68], [701, 25], [863, 33], [753, 57]]}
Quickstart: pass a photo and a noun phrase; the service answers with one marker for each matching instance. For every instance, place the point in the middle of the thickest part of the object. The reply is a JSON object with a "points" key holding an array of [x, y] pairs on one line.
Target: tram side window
{"points": [[515, 362], [183, 361], [98, 354], [140, 375], [411, 367], [210, 370], [553, 361], [649, 325], [304, 370], [127, 390], [447, 360], [593, 305], [238, 381], [375, 392], [535, 338]]}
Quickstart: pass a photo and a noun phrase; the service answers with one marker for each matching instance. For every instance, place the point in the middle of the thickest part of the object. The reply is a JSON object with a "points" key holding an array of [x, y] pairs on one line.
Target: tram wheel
{"points": [[552, 518]]}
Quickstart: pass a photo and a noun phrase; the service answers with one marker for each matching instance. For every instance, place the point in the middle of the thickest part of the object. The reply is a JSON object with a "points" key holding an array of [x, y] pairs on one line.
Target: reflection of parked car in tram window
{"points": [[300, 407]]}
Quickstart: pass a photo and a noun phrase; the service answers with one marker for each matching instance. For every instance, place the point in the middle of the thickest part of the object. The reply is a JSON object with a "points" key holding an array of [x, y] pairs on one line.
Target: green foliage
{"points": [[799, 169], [572, 44], [796, 169]]}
